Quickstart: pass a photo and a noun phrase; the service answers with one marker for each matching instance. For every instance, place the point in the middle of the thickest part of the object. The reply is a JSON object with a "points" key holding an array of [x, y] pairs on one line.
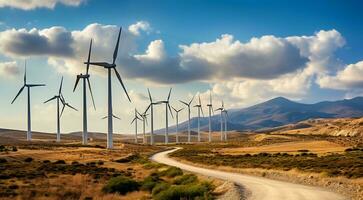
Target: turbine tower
{"points": [[28, 86], [225, 112], [199, 106], [151, 107], [210, 109], [177, 123], [109, 67], [221, 109], [59, 98], [135, 120], [85, 78], [167, 106], [144, 120], [188, 105]]}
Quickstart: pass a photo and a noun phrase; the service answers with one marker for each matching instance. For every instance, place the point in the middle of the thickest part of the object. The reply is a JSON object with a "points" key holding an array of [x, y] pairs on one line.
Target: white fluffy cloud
{"points": [[350, 77], [138, 27], [9, 69], [33, 4]]}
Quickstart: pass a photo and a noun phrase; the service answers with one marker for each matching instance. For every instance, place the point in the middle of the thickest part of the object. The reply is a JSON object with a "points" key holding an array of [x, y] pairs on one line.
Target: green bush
{"points": [[60, 162], [177, 192], [121, 185], [160, 187], [171, 172], [29, 159], [3, 160], [185, 179], [150, 182]]}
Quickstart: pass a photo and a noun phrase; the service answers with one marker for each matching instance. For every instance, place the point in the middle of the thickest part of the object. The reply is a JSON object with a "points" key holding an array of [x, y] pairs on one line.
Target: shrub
{"points": [[121, 185], [150, 182], [303, 150], [100, 162], [128, 158], [185, 179], [160, 187], [172, 172], [29, 159], [60, 162], [3, 160], [182, 192], [14, 148], [46, 161]]}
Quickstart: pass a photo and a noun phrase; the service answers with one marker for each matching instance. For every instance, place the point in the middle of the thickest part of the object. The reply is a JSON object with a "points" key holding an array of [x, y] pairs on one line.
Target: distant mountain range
{"points": [[278, 112]]}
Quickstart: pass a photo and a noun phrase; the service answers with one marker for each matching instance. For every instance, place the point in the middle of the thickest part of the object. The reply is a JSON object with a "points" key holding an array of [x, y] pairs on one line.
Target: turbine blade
{"points": [[151, 100], [105, 117], [64, 105], [71, 107], [133, 120], [116, 117], [35, 85], [21, 89], [123, 86], [89, 56], [174, 109], [201, 109], [171, 112], [191, 100], [169, 94], [90, 91], [116, 48], [200, 103], [102, 64], [210, 97], [148, 108], [60, 87], [25, 72], [50, 99], [222, 104], [75, 85], [184, 102], [146, 121]]}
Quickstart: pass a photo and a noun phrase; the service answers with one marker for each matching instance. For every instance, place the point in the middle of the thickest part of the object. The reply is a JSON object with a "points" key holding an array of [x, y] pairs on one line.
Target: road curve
{"points": [[260, 188]]}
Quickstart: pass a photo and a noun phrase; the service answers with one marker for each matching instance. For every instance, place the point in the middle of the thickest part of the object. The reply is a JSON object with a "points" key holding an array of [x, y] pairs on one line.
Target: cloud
{"points": [[52, 41], [350, 77], [33, 4], [138, 27], [9, 69]]}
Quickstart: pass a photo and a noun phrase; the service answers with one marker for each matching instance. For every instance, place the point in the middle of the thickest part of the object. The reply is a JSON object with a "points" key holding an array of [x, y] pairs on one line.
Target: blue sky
{"points": [[246, 52]]}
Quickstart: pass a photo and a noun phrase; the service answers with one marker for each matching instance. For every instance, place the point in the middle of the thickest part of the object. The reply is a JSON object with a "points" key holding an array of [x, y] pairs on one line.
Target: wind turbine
{"points": [[151, 107], [225, 123], [28, 86], [199, 106], [59, 98], [221, 109], [144, 120], [210, 109], [135, 120], [109, 67], [85, 78], [167, 106], [177, 123], [188, 105]]}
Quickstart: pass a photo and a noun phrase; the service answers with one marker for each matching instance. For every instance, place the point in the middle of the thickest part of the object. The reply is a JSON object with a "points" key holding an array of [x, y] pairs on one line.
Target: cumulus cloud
{"points": [[53, 41], [138, 27], [9, 69], [350, 77], [33, 4]]}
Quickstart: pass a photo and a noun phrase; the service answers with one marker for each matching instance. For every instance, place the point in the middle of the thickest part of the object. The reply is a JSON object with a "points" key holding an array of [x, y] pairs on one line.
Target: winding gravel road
{"points": [[260, 188]]}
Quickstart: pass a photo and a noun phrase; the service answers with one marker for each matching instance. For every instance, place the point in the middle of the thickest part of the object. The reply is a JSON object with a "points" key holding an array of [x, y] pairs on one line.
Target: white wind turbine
{"points": [[221, 109], [188, 106], [225, 123], [28, 86], [60, 99], [167, 107], [177, 123], [144, 120], [199, 106], [85, 78], [151, 107], [135, 120], [109, 67], [210, 109]]}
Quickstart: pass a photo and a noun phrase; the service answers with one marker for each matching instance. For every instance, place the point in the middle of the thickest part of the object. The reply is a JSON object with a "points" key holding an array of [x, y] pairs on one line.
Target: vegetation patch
{"points": [[121, 185]]}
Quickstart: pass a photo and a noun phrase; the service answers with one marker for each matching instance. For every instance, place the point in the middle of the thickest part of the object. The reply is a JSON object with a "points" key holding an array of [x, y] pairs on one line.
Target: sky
{"points": [[244, 52]]}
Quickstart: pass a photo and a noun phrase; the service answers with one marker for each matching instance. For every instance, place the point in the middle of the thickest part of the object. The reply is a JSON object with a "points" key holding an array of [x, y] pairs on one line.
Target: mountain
{"points": [[278, 112]]}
